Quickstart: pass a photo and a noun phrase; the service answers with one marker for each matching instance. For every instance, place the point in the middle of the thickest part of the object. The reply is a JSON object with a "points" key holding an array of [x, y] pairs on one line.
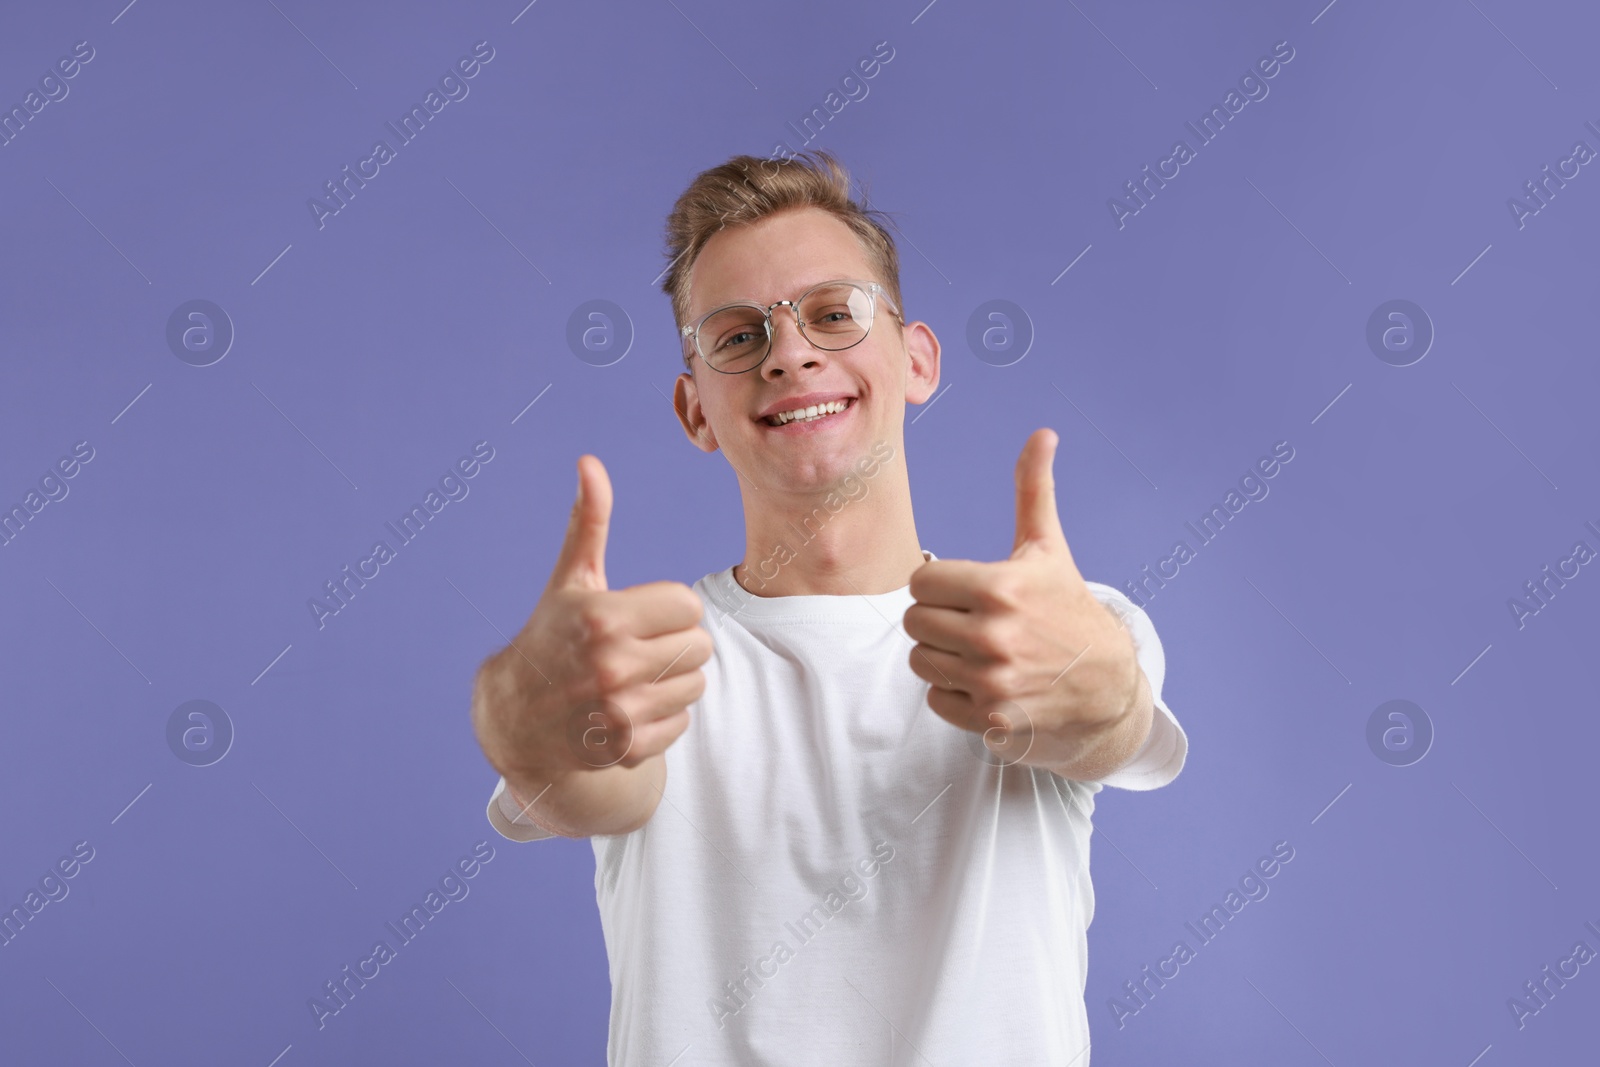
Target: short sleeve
{"points": [[1162, 755], [509, 821]]}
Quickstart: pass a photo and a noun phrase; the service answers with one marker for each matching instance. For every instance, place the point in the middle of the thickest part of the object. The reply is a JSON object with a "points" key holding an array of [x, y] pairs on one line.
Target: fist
{"points": [[1020, 651], [597, 677]]}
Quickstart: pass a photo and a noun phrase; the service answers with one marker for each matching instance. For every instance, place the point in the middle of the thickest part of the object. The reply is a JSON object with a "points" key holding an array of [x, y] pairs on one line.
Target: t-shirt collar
{"points": [[731, 598]]}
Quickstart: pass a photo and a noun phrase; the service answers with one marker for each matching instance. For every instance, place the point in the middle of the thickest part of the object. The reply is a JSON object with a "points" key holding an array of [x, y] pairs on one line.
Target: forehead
{"points": [[775, 259]]}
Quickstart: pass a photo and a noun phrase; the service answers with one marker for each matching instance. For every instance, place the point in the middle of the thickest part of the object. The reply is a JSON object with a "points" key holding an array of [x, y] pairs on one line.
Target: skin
{"points": [[1017, 650], [870, 546]]}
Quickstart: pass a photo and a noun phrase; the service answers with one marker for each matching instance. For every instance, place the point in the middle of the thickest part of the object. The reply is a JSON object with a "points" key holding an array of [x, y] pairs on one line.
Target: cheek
{"points": [[726, 408], [731, 411]]}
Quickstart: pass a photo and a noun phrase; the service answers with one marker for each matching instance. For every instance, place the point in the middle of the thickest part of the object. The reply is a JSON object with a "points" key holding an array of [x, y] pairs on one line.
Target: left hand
{"points": [[1020, 650]]}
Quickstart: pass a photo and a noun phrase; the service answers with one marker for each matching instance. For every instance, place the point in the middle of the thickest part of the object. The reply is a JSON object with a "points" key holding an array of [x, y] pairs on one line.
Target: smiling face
{"points": [[779, 258]]}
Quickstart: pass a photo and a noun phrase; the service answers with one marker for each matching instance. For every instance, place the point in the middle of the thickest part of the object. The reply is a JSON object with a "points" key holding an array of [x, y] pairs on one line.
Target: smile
{"points": [[814, 413]]}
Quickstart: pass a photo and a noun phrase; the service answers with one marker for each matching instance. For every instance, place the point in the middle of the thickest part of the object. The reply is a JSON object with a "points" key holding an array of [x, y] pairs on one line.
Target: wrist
{"points": [[1090, 748]]}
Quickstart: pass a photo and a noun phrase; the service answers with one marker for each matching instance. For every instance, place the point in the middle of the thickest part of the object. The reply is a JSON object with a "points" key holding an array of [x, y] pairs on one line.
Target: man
{"points": [[840, 793]]}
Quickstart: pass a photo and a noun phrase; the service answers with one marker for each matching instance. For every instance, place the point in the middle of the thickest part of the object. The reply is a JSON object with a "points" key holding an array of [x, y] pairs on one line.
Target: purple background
{"points": [[433, 308]]}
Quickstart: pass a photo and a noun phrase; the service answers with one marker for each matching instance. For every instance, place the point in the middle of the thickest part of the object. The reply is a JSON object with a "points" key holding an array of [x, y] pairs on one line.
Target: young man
{"points": [[839, 793]]}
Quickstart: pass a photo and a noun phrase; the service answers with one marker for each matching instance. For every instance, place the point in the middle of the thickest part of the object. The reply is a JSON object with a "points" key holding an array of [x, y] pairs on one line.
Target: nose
{"points": [[790, 350]]}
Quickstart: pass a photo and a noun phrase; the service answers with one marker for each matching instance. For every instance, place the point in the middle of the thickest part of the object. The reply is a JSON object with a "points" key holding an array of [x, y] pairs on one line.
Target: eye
{"points": [[743, 337]]}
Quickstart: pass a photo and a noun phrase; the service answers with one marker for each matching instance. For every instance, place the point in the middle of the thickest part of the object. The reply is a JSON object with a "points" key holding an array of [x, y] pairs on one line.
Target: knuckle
{"points": [[996, 678], [619, 717], [596, 625], [991, 641], [608, 674], [1005, 589], [601, 628]]}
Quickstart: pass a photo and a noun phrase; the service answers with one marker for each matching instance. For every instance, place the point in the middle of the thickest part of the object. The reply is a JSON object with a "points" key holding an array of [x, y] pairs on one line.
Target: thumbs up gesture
{"points": [[1021, 652], [596, 684]]}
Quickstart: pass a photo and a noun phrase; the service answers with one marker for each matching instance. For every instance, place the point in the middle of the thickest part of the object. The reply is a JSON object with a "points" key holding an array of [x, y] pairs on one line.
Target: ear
{"points": [[686, 404], [922, 366]]}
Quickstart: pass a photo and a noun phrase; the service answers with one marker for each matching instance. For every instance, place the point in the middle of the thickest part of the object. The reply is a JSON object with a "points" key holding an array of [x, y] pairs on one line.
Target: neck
{"points": [[857, 536]]}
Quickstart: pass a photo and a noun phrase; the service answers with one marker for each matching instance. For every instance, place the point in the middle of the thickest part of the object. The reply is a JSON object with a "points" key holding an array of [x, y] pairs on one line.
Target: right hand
{"points": [[597, 677]]}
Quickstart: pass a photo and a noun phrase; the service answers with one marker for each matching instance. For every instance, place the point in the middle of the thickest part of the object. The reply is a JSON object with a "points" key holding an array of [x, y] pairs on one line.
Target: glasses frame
{"points": [[874, 291]]}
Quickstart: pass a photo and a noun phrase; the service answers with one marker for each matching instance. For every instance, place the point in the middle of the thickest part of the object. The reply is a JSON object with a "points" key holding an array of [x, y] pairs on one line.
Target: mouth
{"points": [[813, 415]]}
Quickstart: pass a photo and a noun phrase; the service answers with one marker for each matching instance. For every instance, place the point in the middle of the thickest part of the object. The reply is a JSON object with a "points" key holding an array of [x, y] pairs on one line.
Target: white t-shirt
{"points": [[837, 875]]}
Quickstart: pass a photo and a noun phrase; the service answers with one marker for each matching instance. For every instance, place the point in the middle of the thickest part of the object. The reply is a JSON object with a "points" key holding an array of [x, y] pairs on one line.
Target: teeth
{"points": [[812, 412]]}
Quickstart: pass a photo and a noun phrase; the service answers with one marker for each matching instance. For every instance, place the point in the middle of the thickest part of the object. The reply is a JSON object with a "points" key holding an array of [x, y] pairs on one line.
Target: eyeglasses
{"points": [[831, 316]]}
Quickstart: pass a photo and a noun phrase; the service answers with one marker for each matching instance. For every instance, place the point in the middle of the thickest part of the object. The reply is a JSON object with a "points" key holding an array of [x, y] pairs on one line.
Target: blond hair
{"points": [[746, 189]]}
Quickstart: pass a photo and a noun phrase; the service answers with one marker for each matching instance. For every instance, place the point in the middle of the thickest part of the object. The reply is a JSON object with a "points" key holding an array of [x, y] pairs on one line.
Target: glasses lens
{"points": [[836, 316], [734, 339]]}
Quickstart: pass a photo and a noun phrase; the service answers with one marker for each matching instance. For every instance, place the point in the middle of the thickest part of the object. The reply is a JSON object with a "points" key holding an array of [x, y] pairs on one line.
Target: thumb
{"points": [[1037, 520], [582, 561]]}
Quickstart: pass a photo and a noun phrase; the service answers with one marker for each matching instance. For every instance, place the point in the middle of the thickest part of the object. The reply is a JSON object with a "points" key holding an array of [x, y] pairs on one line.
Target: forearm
{"points": [[560, 796], [592, 801]]}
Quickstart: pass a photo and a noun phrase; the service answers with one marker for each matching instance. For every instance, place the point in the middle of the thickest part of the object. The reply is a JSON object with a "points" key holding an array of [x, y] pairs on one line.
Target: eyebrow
{"points": [[802, 289]]}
